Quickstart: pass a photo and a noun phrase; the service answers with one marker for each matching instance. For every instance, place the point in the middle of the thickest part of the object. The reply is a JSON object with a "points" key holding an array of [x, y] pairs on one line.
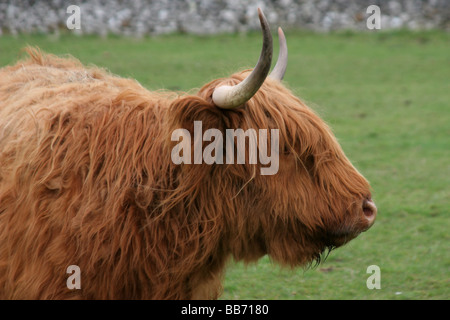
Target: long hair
{"points": [[87, 179]]}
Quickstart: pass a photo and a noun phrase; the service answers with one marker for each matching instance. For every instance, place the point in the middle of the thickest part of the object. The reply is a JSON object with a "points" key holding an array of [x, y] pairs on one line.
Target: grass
{"points": [[387, 98]]}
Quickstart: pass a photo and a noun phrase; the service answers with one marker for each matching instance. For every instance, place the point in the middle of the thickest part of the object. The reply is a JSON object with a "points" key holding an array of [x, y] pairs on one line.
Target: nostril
{"points": [[368, 212], [369, 209]]}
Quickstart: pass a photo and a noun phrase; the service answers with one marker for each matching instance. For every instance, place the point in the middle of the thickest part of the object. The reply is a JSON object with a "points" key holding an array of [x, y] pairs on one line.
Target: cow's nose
{"points": [[370, 211]]}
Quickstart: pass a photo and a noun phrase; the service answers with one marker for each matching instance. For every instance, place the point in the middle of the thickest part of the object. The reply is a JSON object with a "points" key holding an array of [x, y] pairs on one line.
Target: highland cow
{"points": [[87, 180]]}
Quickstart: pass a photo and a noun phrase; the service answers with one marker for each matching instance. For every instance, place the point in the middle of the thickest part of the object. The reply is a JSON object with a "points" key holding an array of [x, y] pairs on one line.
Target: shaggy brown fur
{"points": [[86, 179]]}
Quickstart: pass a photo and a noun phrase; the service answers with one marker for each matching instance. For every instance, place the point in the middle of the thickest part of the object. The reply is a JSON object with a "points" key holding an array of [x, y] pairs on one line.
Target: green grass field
{"points": [[387, 98]]}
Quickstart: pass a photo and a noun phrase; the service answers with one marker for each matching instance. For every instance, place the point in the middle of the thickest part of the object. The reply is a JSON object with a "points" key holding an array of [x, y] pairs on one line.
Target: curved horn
{"points": [[280, 67], [229, 97]]}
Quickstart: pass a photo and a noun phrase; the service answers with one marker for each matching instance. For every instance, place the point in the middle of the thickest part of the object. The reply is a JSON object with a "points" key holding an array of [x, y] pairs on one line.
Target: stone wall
{"points": [[150, 17]]}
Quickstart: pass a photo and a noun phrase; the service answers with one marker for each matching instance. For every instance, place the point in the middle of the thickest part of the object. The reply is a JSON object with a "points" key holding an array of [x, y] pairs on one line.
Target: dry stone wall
{"points": [[151, 17]]}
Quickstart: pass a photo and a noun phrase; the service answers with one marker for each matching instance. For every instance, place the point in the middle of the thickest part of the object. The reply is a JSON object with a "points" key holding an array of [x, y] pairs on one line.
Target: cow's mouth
{"points": [[365, 218]]}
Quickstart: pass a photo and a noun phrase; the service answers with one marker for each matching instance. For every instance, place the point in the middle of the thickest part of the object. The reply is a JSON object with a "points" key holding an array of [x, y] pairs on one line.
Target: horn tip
{"points": [[261, 14]]}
